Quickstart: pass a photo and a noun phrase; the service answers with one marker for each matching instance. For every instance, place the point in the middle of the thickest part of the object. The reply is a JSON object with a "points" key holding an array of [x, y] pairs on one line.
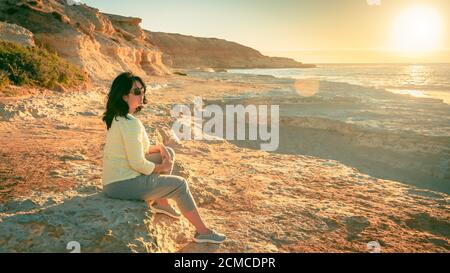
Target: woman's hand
{"points": [[164, 153], [165, 166], [154, 149]]}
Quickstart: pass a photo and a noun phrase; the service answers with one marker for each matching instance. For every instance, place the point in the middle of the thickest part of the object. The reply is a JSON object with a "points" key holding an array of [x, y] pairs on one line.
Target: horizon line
{"points": [[351, 49]]}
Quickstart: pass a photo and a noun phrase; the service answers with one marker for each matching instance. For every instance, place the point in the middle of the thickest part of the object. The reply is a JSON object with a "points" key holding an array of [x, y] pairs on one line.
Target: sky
{"points": [[311, 31]]}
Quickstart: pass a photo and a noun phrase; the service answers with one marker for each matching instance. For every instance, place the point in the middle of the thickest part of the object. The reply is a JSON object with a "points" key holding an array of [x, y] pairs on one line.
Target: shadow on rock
{"points": [[97, 223]]}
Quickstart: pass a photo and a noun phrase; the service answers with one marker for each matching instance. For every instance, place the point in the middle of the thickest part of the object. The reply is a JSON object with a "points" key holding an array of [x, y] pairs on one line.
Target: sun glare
{"points": [[417, 30]]}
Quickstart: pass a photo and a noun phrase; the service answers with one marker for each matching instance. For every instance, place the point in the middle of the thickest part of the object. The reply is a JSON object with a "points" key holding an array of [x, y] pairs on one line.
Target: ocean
{"points": [[388, 97], [419, 80], [391, 121]]}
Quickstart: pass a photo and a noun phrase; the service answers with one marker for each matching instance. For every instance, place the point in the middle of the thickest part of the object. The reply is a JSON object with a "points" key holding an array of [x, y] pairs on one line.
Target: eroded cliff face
{"points": [[182, 51], [106, 44], [16, 34], [102, 44]]}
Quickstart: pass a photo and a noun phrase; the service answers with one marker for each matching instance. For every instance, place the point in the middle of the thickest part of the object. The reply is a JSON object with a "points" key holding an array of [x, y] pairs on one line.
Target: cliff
{"points": [[182, 51], [104, 45], [15, 34]]}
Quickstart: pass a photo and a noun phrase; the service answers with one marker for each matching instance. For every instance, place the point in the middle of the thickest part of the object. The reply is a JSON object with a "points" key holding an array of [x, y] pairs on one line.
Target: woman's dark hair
{"points": [[116, 106]]}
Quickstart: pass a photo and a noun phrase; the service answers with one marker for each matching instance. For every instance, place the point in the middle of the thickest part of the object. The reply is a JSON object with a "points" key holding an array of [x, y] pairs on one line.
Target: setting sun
{"points": [[417, 30]]}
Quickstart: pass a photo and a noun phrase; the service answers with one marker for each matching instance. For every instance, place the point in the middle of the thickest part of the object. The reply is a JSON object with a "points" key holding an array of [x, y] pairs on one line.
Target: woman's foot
{"points": [[165, 209], [209, 236]]}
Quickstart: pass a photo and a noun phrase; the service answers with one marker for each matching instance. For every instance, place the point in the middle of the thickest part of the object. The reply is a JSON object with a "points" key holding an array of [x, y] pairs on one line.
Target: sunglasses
{"points": [[138, 91]]}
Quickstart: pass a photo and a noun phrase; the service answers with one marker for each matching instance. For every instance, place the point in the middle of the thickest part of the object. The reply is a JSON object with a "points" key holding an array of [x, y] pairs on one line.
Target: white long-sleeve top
{"points": [[124, 152]]}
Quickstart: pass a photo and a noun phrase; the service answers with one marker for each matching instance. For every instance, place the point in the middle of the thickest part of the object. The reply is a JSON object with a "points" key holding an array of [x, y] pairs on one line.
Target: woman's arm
{"points": [[166, 159], [161, 149], [134, 147]]}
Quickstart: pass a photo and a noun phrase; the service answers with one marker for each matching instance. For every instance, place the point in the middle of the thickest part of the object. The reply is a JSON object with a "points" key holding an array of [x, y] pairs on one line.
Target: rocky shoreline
{"points": [[264, 202]]}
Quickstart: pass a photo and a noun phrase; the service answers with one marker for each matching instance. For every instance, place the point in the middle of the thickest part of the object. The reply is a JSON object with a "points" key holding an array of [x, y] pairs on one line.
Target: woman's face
{"points": [[135, 98]]}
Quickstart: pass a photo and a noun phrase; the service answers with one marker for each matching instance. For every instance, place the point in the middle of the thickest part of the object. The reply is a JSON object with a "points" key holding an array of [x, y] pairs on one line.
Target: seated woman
{"points": [[128, 174]]}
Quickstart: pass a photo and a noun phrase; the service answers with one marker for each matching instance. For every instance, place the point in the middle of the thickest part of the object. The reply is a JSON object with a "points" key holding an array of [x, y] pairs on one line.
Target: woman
{"points": [[128, 174]]}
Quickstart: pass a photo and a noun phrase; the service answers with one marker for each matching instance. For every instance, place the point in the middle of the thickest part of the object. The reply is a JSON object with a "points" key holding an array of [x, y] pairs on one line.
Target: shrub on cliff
{"points": [[36, 66]]}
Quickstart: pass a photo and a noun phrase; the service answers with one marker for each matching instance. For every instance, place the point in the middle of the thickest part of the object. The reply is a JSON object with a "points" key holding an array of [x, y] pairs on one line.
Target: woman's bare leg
{"points": [[196, 221], [162, 202]]}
